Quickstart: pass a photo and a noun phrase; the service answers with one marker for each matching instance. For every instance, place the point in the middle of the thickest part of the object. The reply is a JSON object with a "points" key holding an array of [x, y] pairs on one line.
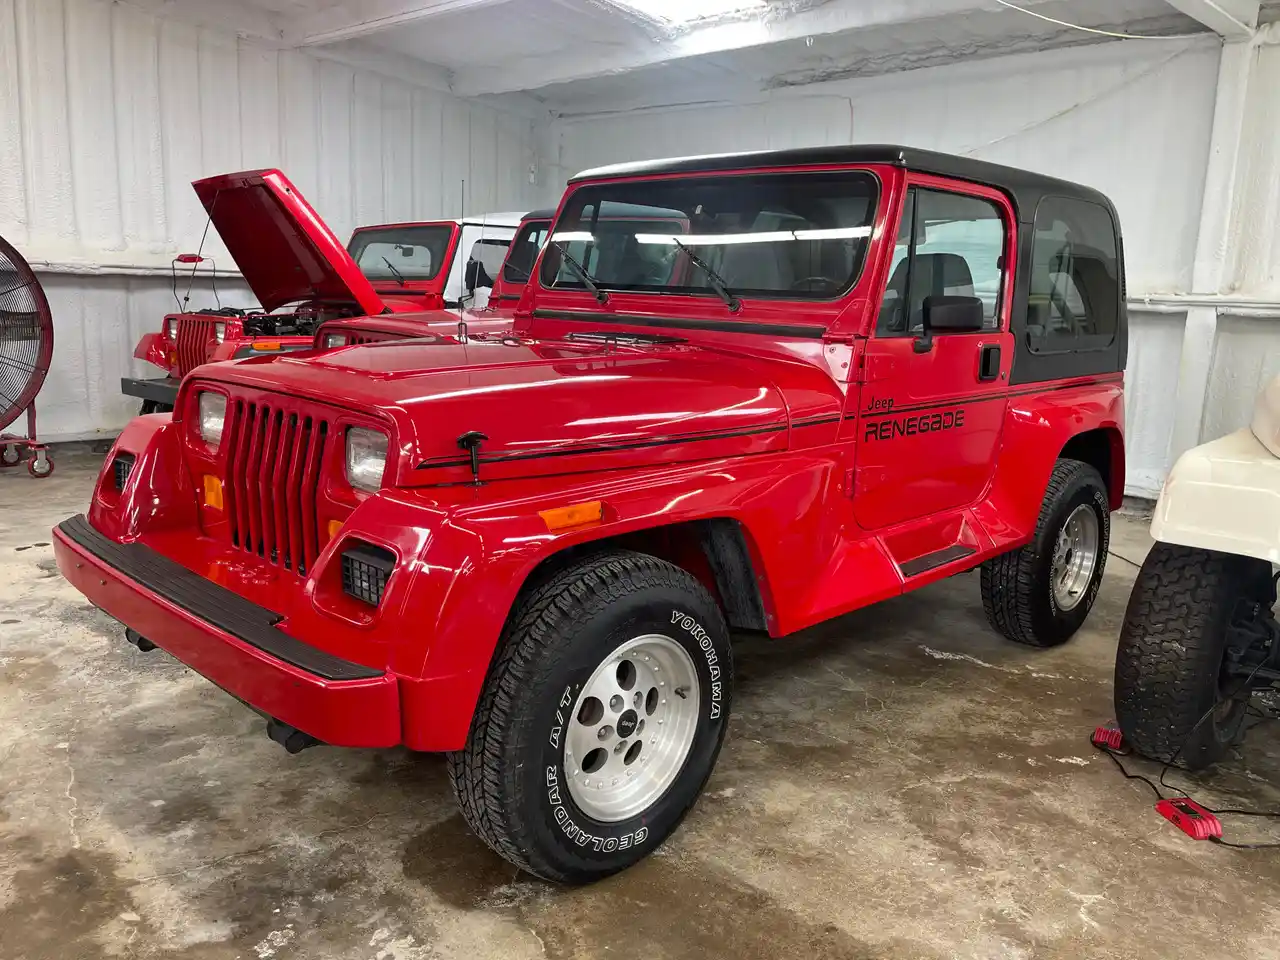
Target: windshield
{"points": [[524, 250], [793, 235], [392, 253]]}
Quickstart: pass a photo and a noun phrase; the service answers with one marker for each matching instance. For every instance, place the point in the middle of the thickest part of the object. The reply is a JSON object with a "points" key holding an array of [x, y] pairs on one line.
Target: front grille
{"points": [[193, 336], [274, 458]]}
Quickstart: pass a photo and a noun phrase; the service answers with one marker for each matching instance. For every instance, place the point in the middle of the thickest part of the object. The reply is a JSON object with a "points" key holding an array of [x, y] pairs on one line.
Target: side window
{"points": [[1074, 292], [949, 244], [489, 253]]}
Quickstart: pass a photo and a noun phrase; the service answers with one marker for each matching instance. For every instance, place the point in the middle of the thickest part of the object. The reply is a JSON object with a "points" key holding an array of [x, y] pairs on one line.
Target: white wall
{"points": [[1131, 118], [106, 116]]}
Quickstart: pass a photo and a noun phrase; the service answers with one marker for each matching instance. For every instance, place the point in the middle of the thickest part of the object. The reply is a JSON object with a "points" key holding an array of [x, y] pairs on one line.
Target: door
{"points": [[931, 407]]}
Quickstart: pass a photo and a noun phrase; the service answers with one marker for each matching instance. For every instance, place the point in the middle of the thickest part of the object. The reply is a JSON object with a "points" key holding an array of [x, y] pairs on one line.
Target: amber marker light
{"points": [[558, 518]]}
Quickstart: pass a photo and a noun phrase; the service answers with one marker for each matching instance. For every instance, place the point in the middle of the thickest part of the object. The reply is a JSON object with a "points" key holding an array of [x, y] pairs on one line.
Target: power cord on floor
{"points": [[1160, 785]]}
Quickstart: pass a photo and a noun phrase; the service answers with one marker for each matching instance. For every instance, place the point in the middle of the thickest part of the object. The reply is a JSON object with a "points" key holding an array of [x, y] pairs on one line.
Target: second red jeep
{"points": [[801, 382]]}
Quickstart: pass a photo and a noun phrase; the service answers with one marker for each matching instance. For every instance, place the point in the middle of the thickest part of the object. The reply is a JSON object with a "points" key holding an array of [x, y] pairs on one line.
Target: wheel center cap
{"points": [[627, 724]]}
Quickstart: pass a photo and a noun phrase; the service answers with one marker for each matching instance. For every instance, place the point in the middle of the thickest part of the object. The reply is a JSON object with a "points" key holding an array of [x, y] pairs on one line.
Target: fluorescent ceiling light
{"points": [[687, 11], [766, 236]]}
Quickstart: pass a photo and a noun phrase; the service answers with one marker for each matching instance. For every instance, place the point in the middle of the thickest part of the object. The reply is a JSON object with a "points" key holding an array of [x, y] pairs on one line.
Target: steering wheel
{"points": [[827, 282]]}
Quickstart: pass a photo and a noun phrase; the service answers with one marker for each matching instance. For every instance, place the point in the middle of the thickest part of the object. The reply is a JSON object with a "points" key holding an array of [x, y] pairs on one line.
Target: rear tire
{"points": [[1041, 593], [549, 777], [1170, 657]]}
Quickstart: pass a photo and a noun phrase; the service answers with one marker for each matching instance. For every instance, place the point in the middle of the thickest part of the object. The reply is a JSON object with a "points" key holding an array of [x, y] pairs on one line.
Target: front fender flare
{"points": [[1225, 496]]}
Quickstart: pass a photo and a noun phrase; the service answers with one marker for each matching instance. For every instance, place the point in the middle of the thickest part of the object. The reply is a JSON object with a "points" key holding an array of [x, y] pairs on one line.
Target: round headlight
{"points": [[366, 458], [335, 340], [166, 328], [213, 414], [220, 331]]}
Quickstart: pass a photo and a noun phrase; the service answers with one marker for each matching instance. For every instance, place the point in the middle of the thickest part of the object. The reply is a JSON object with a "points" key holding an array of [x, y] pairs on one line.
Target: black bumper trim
{"points": [[212, 603], [162, 390]]}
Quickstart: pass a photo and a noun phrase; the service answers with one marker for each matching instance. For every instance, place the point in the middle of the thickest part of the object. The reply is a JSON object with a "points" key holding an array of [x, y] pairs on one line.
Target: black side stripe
{"points": [[816, 421], [985, 398], [688, 323], [604, 447]]}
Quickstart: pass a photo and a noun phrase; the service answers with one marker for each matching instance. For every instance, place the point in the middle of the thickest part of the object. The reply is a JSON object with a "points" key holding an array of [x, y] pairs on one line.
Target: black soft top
{"points": [[1023, 187], [547, 214]]}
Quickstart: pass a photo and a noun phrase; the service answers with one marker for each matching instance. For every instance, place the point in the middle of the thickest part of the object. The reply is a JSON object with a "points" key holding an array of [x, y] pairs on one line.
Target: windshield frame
{"points": [[440, 268], [571, 201]]}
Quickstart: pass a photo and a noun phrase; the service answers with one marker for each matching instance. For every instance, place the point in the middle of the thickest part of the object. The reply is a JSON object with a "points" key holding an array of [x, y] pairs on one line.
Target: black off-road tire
{"points": [[510, 778], [1169, 661], [1017, 595], [154, 406]]}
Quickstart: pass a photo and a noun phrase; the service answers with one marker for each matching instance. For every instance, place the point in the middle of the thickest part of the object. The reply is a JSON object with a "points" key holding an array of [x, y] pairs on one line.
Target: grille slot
{"points": [[192, 341], [121, 467], [365, 571], [273, 472]]}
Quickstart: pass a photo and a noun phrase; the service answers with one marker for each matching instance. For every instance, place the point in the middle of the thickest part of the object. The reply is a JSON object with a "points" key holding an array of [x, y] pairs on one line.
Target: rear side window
{"points": [[1075, 288], [490, 252]]}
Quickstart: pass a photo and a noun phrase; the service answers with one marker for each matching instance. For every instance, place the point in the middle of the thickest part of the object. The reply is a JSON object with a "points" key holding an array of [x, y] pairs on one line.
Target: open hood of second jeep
{"points": [[286, 253]]}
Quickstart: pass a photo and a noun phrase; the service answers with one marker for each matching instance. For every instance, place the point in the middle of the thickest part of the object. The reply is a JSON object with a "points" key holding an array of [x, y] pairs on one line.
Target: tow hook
{"points": [[138, 640], [291, 738]]}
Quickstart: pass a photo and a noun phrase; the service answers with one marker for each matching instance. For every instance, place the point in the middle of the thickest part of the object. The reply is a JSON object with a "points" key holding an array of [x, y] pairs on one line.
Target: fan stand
{"points": [[14, 449]]}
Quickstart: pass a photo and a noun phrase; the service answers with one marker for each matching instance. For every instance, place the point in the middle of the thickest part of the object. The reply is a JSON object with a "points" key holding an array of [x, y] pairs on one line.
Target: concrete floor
{"points": [[897, 783]]}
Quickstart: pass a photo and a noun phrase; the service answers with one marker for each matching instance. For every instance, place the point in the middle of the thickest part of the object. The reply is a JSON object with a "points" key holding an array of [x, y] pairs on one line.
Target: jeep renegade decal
{"points": [[709, 651], [891, 427]]}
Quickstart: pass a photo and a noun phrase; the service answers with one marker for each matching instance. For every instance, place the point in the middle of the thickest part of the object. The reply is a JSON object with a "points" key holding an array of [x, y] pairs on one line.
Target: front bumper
{"points": [[161, 390], [230, 640]]}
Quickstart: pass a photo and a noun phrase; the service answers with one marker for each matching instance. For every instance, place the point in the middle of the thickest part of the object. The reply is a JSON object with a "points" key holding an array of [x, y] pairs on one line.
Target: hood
{"points": [[286, 253], [403, 326], [551, 407]]}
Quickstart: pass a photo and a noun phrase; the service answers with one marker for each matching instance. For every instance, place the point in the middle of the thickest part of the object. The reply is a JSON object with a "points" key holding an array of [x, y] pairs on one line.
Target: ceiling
{"points": [[581, 56]]}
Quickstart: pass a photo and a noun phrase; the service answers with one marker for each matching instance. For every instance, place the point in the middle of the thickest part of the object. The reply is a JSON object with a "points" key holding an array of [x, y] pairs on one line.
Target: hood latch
{"points": [[470, 442]]}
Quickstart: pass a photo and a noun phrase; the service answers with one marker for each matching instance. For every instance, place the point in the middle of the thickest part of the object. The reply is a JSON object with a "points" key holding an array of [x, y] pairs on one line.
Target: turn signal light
{"points": [[558, 518], [335, 527], [212, 491], [266, 345]]}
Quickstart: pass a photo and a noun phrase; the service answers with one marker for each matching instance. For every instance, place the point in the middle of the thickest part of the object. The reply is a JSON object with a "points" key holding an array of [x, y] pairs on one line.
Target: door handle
{"points": [[989, 362]]}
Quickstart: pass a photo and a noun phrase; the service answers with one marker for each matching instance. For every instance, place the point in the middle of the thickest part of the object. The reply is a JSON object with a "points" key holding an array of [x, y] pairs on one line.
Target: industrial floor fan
{"points": [[26, 347]]}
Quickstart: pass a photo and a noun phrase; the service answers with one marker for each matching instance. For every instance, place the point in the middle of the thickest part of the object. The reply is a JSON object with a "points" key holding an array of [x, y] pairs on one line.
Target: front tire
{"points": [[1169, 663], [601, 719], [1041, 593]]}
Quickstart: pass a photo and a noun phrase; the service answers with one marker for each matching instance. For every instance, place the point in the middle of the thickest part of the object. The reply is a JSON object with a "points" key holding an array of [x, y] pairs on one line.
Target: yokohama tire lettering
{"points": [[708, 649]]}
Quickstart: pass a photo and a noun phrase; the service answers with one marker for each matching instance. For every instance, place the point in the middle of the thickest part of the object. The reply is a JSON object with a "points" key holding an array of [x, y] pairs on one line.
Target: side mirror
{"points": [[948, 315]]}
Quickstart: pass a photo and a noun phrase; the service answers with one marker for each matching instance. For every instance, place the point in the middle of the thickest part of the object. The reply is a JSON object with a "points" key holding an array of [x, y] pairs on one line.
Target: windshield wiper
{"points": [[581, 272], [392, 267], [717, 281]]}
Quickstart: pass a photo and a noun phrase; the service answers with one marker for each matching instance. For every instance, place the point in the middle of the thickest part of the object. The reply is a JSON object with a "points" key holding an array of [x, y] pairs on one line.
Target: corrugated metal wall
{"points": [[106, 116], [1130, 118]]}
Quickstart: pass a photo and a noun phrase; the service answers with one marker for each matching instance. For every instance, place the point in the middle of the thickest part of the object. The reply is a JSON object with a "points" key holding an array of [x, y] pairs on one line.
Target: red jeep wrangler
{"points": [[290, 258], [853, 371], [496, 315]]}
